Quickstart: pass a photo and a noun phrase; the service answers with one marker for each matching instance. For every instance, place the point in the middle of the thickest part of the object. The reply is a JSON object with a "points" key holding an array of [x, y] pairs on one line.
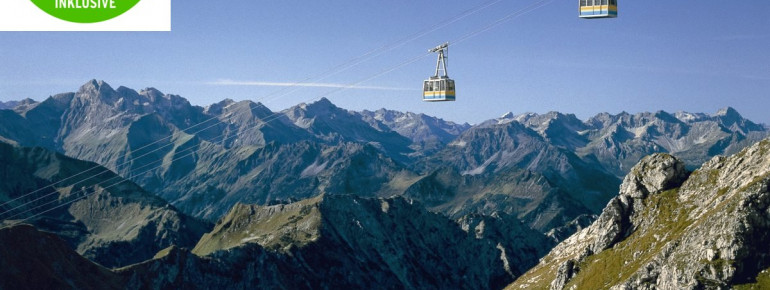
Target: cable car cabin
{"points": [[598, 8], [438, 89]]}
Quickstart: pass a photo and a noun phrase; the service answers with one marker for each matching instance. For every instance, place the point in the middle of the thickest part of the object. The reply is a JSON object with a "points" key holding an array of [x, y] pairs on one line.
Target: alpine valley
{"points": [[108, 188]]}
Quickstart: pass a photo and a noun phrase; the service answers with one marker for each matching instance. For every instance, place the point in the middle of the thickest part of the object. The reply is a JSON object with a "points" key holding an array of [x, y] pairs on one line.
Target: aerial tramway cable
{"points": [[292, 87], [271, 117], [267, 119]]}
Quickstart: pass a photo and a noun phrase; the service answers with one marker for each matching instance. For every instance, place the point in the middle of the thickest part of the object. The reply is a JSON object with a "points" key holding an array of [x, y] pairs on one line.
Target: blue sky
{"points": [[658, 55]]}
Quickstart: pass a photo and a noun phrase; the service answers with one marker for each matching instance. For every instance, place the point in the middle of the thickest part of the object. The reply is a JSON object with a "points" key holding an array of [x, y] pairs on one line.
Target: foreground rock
{"points": [[669, 231]]}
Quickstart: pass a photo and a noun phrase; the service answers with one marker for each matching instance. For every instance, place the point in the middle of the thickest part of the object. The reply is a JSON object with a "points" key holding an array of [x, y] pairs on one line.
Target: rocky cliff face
{"points": [[668, 230]]}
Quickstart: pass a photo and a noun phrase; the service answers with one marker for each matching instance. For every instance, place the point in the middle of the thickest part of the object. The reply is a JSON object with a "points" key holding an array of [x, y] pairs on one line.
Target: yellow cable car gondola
{"points": [[439, 87], [598, 8]]}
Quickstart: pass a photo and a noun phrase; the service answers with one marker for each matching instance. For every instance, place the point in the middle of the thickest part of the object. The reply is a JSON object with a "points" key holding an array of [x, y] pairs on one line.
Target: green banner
{"points": [[85, 11]]}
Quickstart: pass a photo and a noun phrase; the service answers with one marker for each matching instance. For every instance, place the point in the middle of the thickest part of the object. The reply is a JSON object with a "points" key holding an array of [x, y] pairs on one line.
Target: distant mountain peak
{"points": [[126, 91], [27, 101], [688, 117], [320, 107], [666, 116], [730, 118], [254, 109], [16, 105], [728, 112], [323, 103], [150, 91], [218, 107], [93, 86]]}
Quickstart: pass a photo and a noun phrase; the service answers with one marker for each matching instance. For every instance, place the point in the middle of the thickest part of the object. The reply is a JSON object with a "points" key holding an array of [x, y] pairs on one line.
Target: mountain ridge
{"points": [[130, 132], [672, 229]]}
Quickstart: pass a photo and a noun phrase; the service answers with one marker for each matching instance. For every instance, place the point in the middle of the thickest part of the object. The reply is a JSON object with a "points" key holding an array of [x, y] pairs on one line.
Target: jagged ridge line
{"points": [[295, 86], [271, 117], [508, 17]]}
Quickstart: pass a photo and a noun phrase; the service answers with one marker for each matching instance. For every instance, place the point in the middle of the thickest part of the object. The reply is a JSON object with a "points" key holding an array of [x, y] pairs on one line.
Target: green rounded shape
{"points": [[85, 11]]}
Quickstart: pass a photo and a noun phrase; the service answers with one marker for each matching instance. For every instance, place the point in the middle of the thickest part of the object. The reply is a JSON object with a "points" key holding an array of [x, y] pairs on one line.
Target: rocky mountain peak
{"points": [[8, 105], [729, 116], [157, 97], [153, 94], [259, 108], [508, 115], [728, 112], [653, 174], [688, 117], [95, 89], [666, 117], [125, 91], [217, 108], [244, 111], [19, 106], [385, 115], [94, 84], [560, 129], [601, 120], [321, 106], [732, 120], [507, 118], [304, 114]]}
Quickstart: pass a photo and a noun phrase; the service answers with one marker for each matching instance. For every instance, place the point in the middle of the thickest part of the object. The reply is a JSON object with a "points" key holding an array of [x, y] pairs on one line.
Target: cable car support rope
{"points": [[272, 96], [267, 119]]}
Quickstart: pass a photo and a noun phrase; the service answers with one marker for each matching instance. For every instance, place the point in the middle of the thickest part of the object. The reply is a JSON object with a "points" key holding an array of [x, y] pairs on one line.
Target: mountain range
{"points": [[234, 182]]}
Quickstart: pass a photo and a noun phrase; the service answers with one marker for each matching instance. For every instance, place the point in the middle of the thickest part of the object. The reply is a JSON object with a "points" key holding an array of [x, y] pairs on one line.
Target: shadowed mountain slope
{"points": [[101, 215]]}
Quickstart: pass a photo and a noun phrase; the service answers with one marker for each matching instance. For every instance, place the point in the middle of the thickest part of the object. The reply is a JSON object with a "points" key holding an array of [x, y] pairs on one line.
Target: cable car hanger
{"points": [[439, 87]]}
